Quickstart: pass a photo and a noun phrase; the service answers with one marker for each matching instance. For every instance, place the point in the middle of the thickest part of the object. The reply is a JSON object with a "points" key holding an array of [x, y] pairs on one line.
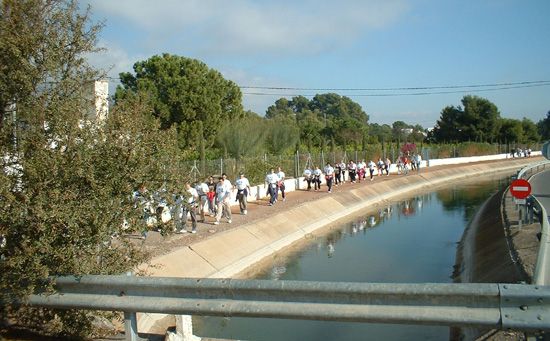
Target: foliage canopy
{"points": [[66, 180]]}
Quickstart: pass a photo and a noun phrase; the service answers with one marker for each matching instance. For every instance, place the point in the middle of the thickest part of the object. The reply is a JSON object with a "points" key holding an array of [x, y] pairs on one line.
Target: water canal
{"points": [[409, 241]]}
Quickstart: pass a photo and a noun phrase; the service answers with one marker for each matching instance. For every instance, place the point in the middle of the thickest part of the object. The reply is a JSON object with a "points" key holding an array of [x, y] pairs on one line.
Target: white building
{"points": [[98, 99]]}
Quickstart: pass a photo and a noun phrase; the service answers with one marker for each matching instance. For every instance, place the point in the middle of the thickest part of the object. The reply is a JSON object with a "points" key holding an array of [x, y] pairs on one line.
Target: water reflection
{"points": [[462, 198]]}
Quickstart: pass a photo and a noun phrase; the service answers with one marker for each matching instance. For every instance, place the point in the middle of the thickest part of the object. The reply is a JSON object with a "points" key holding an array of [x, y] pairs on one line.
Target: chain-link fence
{"points": [[256, 168]]}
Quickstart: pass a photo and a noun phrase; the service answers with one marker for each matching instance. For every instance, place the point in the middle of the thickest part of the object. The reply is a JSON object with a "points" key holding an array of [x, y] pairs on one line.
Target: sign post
{"points": [[520, 189]]}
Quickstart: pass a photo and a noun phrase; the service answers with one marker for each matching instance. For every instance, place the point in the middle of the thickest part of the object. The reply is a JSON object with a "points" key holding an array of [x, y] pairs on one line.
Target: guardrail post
{"points": [[130, 326], [184, 328], [130, 322]]}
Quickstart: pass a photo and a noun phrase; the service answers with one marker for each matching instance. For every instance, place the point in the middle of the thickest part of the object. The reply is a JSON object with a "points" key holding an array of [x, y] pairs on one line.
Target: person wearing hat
{"points": [[243, 190]]}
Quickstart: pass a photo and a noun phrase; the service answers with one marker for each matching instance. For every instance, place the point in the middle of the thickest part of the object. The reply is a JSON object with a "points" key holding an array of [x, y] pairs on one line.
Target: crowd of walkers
{"points": [[213, 196], [353, 172]]}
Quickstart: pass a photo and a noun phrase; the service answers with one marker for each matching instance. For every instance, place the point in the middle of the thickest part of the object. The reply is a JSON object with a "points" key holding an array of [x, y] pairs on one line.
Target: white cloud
{"points": [[255, 103], [112, 61], [258, 27]]}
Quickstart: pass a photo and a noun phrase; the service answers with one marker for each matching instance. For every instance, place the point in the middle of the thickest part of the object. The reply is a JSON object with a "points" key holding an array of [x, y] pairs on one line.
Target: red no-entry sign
{"points": [[520, 188]]}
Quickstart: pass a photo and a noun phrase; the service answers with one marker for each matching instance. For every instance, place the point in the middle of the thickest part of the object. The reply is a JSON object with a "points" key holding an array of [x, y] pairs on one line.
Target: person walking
{"points": [[387, 166], [372, 167], [406, 162], [329, 175], [308, 176], [211, 195], [223, 197], [281, 183], [418, 160], [202, 190], [190, 208], [361, 170], [243, 190], [399, 165], [343, 166], [143, 201], [352, 171], [317, 178], [272, 179], [380, 165], [337, 174]]}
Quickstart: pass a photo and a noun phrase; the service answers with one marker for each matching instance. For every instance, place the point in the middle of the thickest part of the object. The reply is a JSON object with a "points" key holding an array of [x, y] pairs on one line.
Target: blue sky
{"points": [[353, 44]]}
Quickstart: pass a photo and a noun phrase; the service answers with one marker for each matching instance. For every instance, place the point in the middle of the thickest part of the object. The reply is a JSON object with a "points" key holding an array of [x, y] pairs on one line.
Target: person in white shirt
{"points": [[281, 183], [272, 180], [387, 165], [352, 169], [372, 167], [227, 183], [308, 175], [223, 196], [190, 207], [329, 176], [317, 178], [343, 166], [243, 190], [361, 170], [202, 190], [418, 160], [380, 165]]}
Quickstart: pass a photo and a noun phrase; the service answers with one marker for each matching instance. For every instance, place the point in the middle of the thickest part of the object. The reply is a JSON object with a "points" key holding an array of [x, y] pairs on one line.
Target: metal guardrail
{"points": [[529, 170], [502, 306], [541, 275], [542, 268]]}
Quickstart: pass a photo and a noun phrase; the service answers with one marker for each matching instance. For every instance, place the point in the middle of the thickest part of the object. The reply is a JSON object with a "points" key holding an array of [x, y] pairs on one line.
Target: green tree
{"points": [[530, 131], [418, 133], [281, 108], [339, 111], [477, 120], [244, 136], [66, 180], [400, 130], [310, 126], [481, 118], [383, 133], [282, 134], [327, 118], [349, 131], [186, 94], [511, 131]]}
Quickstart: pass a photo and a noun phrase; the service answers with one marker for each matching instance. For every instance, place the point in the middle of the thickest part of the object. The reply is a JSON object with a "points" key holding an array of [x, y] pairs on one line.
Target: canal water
{"points": [[410, 241]]}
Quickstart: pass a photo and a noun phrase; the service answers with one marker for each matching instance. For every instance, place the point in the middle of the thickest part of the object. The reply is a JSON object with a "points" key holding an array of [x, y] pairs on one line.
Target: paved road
{"points": [[540, 184]]}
